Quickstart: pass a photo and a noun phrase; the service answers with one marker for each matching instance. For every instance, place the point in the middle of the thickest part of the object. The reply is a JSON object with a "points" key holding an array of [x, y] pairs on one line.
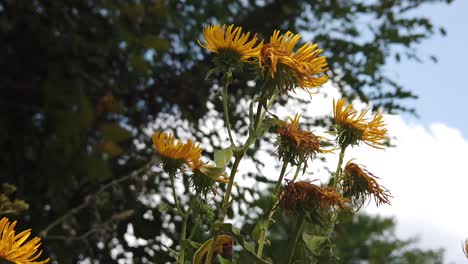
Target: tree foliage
{"points": [[372, 239], [83, 80]]}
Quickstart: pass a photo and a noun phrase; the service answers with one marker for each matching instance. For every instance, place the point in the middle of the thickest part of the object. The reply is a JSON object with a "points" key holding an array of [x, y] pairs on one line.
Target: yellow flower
{"points": [[220, 39], [296, 144], [173, 153], [353, 127], [359, 183], [12, 247], [302, 68]]}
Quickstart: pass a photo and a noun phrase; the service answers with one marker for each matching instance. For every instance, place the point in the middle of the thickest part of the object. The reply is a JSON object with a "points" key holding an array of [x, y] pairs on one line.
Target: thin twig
{"points": [[85, 202]]}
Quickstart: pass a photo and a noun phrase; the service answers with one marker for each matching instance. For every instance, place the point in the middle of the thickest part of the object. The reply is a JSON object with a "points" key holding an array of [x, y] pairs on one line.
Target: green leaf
{"points": [[314, 243], [153, 42], [223, 260], [212, 172], [222, 157], [194, 244], [265, 126], [114, 132]]}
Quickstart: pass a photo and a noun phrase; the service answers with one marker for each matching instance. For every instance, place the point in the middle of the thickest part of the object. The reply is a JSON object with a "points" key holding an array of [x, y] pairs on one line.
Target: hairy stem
{"points": [[225, 204], [298, 169], [280, 179], [182, 239], [271, 212], [297, 235], [338, 168], [181, 258], [174, 194], [227, 81]]}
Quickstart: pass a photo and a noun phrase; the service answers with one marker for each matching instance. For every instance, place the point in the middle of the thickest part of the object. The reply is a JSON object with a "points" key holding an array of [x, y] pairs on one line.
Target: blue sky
{"points": [[442, 86]]}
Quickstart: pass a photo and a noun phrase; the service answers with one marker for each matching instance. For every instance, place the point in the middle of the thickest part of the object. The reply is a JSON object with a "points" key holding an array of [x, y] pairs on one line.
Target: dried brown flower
{"points": [[295, 144], [305, 196], [359, 183]]}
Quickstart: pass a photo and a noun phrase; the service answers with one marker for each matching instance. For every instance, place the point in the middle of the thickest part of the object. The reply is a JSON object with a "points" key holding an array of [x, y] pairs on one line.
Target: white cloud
{"points": [[426, 173]]}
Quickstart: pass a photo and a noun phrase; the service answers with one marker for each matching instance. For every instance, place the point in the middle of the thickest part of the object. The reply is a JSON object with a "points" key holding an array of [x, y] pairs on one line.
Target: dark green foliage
{"points": [[81, 80], [359, 238], [365, 238]]}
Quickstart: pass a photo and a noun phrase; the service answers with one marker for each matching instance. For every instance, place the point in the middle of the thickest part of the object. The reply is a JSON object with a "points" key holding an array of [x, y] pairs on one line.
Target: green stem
{"points": [[257, 116], [336, 179], [261, 242], [227, 195], [183, 232], [338, 168], [184, 220], [270, 103], [225, 106], [225, 204], [298, 169], [260, 116], [261, 98], [194, 229], [174, 194], [299, 227], [182, 239], [271, 212], [280, 179]]}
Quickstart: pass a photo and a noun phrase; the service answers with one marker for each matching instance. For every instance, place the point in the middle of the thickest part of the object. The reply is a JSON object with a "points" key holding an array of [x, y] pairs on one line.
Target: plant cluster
{"points": [[280, 65]]}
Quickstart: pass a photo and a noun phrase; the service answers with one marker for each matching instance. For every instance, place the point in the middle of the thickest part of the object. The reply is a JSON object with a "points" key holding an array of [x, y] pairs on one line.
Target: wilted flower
{"points": [[305, 196], [223, 247], [359, 184], [231, 45], [173, 153], [13, 247], [352, 127], [294, 144], [291, 68]]}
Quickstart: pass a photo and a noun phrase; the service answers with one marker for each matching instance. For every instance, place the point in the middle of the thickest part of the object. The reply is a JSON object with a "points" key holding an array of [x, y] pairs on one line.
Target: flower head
{"points": [[359, 184], [353, 127], [173, 153], [305, 196], [230, 43], [13, 247], [295, 144], [206, 175], [303, 67]]}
